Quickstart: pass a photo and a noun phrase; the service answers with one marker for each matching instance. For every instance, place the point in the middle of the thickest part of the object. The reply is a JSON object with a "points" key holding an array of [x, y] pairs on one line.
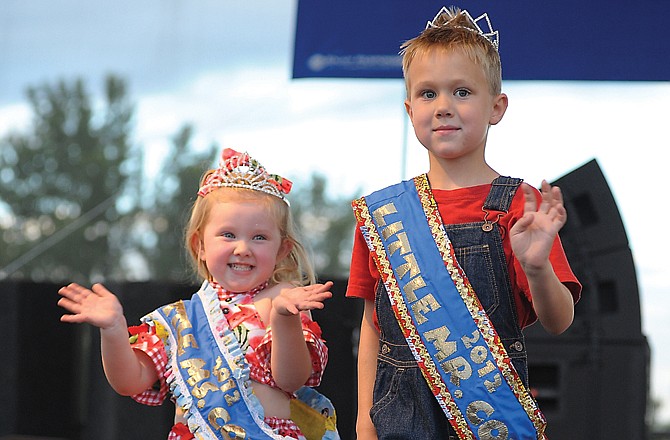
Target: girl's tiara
{"points": [[491, 35], [239, 170]]}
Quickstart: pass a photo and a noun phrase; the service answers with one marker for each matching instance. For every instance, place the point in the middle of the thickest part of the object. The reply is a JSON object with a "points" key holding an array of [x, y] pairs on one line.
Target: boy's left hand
{"points": [[533, 235], [292, 301]]}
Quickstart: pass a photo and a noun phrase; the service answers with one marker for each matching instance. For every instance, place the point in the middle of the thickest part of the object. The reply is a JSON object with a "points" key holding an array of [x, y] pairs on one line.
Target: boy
{"points": [[454, 263]]}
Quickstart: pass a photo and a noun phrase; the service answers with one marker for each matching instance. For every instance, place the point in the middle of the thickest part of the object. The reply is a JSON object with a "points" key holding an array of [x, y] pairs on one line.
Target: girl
{"points": [[234, 357]]}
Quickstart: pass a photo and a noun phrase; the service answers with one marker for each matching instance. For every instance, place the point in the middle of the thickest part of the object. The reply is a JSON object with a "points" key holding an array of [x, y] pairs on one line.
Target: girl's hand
{"points": [[98, 306], [293, 300], [532, 237]]}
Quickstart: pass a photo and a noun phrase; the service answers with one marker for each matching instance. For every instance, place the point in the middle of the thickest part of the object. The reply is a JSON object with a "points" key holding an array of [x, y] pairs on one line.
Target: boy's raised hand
{"points": [[292, 301], [533, 234], [96, 306]]}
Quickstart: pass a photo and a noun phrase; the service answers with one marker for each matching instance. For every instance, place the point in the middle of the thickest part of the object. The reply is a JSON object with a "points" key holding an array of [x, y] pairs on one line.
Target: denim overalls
{"points": [[403, 406]]}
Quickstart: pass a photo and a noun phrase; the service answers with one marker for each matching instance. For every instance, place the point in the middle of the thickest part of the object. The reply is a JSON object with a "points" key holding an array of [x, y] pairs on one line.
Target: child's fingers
{"points": [[101, 290], [73, 292], [530, 204]]}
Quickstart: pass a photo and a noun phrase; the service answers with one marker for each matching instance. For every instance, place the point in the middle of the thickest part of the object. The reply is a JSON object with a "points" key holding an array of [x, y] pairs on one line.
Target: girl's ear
{"points": [[285, 249], [196, 246]]}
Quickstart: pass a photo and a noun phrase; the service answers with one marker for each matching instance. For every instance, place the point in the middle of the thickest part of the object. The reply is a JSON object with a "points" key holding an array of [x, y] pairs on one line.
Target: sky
{"points": [[225, 68]]}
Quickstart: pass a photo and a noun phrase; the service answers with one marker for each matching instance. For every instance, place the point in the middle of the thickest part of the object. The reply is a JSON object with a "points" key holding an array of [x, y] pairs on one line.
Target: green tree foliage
{"points": [[71, 168], [76, 204], [175, 190], [327, 225]]}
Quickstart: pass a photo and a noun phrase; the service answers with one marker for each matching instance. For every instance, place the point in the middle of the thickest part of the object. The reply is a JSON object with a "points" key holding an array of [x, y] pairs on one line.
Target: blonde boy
{"points": [[454, 263]]}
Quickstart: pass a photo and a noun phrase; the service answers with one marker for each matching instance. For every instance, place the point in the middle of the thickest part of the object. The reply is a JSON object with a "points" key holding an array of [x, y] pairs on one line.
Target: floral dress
{"points": [[256, 342]]}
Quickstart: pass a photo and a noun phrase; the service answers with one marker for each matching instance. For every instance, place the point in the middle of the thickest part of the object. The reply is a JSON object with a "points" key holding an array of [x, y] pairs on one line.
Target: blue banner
{"points": [[539, 40]]}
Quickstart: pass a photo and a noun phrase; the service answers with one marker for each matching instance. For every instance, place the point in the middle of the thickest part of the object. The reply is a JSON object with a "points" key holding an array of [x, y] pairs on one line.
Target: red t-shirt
{"points": [[464, 205]]}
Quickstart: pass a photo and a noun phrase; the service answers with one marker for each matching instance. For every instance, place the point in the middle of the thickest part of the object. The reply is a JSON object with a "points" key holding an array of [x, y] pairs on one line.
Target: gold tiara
{"points": [[239, 170], [491, 35]]}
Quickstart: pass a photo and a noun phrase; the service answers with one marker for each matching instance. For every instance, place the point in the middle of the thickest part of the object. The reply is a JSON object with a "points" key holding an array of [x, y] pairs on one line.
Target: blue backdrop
{"points": [[609, 40]]}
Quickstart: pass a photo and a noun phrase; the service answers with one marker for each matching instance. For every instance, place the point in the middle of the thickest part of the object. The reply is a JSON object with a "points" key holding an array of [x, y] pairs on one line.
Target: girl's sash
{"points": [[452, 339], [209, 377]]}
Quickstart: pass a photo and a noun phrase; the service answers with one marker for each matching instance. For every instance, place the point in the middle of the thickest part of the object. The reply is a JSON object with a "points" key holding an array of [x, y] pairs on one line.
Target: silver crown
{"points": [[239, 170], [491, 35]]}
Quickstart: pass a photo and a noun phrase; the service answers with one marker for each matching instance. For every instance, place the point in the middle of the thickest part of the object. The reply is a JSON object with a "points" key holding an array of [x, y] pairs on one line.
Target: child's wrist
{"points": [[119, 324]]}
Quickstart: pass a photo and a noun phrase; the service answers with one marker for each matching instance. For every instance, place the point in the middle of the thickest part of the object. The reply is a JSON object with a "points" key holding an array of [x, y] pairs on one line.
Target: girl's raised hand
{"points": [[293, 300], [96, 306]]}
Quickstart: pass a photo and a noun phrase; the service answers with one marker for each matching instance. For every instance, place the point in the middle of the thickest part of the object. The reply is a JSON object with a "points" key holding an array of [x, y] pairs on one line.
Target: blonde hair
{"points": [[453, 31], [295, 268]]}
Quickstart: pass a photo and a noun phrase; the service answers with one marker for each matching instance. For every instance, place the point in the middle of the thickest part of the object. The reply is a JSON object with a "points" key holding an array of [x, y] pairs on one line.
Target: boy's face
{"points": [[450, 105]]}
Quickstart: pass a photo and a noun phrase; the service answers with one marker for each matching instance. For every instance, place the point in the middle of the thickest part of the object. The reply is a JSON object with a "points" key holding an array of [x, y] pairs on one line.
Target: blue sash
{"points": [[210, 377], [452, 339]]}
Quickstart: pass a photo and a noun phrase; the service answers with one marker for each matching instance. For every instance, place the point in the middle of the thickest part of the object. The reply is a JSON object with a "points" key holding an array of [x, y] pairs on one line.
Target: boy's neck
{"points": [[445, 177]]}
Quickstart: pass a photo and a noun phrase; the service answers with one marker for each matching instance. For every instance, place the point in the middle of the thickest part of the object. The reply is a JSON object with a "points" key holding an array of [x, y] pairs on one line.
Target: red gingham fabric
{"points": [[144, 338], [285, 427]]}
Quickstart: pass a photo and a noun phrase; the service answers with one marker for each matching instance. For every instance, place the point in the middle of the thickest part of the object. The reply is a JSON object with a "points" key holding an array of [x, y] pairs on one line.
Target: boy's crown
{"points": [[239, 170], [491, 35]]}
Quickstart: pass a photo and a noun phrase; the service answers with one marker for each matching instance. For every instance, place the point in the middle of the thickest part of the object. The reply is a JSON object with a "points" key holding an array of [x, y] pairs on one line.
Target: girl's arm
{"points": [[128, 371], [290, 359]]}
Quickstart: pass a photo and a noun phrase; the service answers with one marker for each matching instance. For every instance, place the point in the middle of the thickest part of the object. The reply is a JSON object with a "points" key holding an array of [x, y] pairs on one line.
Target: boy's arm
{"points": [[532, 238], [128, 371], [368, 346], [552, 300]]}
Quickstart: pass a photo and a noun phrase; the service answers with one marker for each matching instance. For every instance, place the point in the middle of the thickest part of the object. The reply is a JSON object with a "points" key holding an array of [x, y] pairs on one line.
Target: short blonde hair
{"points": [[295, 268], [453, 31]]}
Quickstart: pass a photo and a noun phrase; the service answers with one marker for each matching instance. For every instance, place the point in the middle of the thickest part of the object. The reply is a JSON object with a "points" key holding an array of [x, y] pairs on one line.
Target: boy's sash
{"points": [[209, 376], [452, 339]]}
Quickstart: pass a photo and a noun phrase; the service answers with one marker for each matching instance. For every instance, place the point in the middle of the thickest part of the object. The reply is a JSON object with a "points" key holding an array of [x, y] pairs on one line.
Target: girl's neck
{"points": [[225, 293]]}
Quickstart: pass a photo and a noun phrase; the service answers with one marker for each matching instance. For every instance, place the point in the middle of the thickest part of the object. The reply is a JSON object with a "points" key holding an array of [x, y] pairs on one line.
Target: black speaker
{"points": [[340, 322], [597, 247], [591, 390], [592, 382]]}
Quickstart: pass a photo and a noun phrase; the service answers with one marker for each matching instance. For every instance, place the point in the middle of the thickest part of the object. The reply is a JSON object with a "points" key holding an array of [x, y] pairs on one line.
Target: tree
{"points": [[76, 204], [327, 225], [175, 190], [64, 184]]}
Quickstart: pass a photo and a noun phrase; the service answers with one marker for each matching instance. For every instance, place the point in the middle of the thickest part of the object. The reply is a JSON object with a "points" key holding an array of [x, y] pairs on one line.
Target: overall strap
{"points": [[502, 192]]}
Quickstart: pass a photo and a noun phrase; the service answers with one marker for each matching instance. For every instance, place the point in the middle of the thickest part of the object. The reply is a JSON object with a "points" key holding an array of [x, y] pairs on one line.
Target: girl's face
{"points": [[241, 243]]}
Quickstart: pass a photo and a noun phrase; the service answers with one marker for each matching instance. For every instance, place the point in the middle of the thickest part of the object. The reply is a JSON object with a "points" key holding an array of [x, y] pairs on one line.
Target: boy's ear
{"points": [[499, 108], [408, 109]]}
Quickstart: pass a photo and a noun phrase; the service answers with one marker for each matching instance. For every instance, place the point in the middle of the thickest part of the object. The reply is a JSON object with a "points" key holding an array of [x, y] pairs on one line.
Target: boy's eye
{"points": [[462, 93], [428, 94]]}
